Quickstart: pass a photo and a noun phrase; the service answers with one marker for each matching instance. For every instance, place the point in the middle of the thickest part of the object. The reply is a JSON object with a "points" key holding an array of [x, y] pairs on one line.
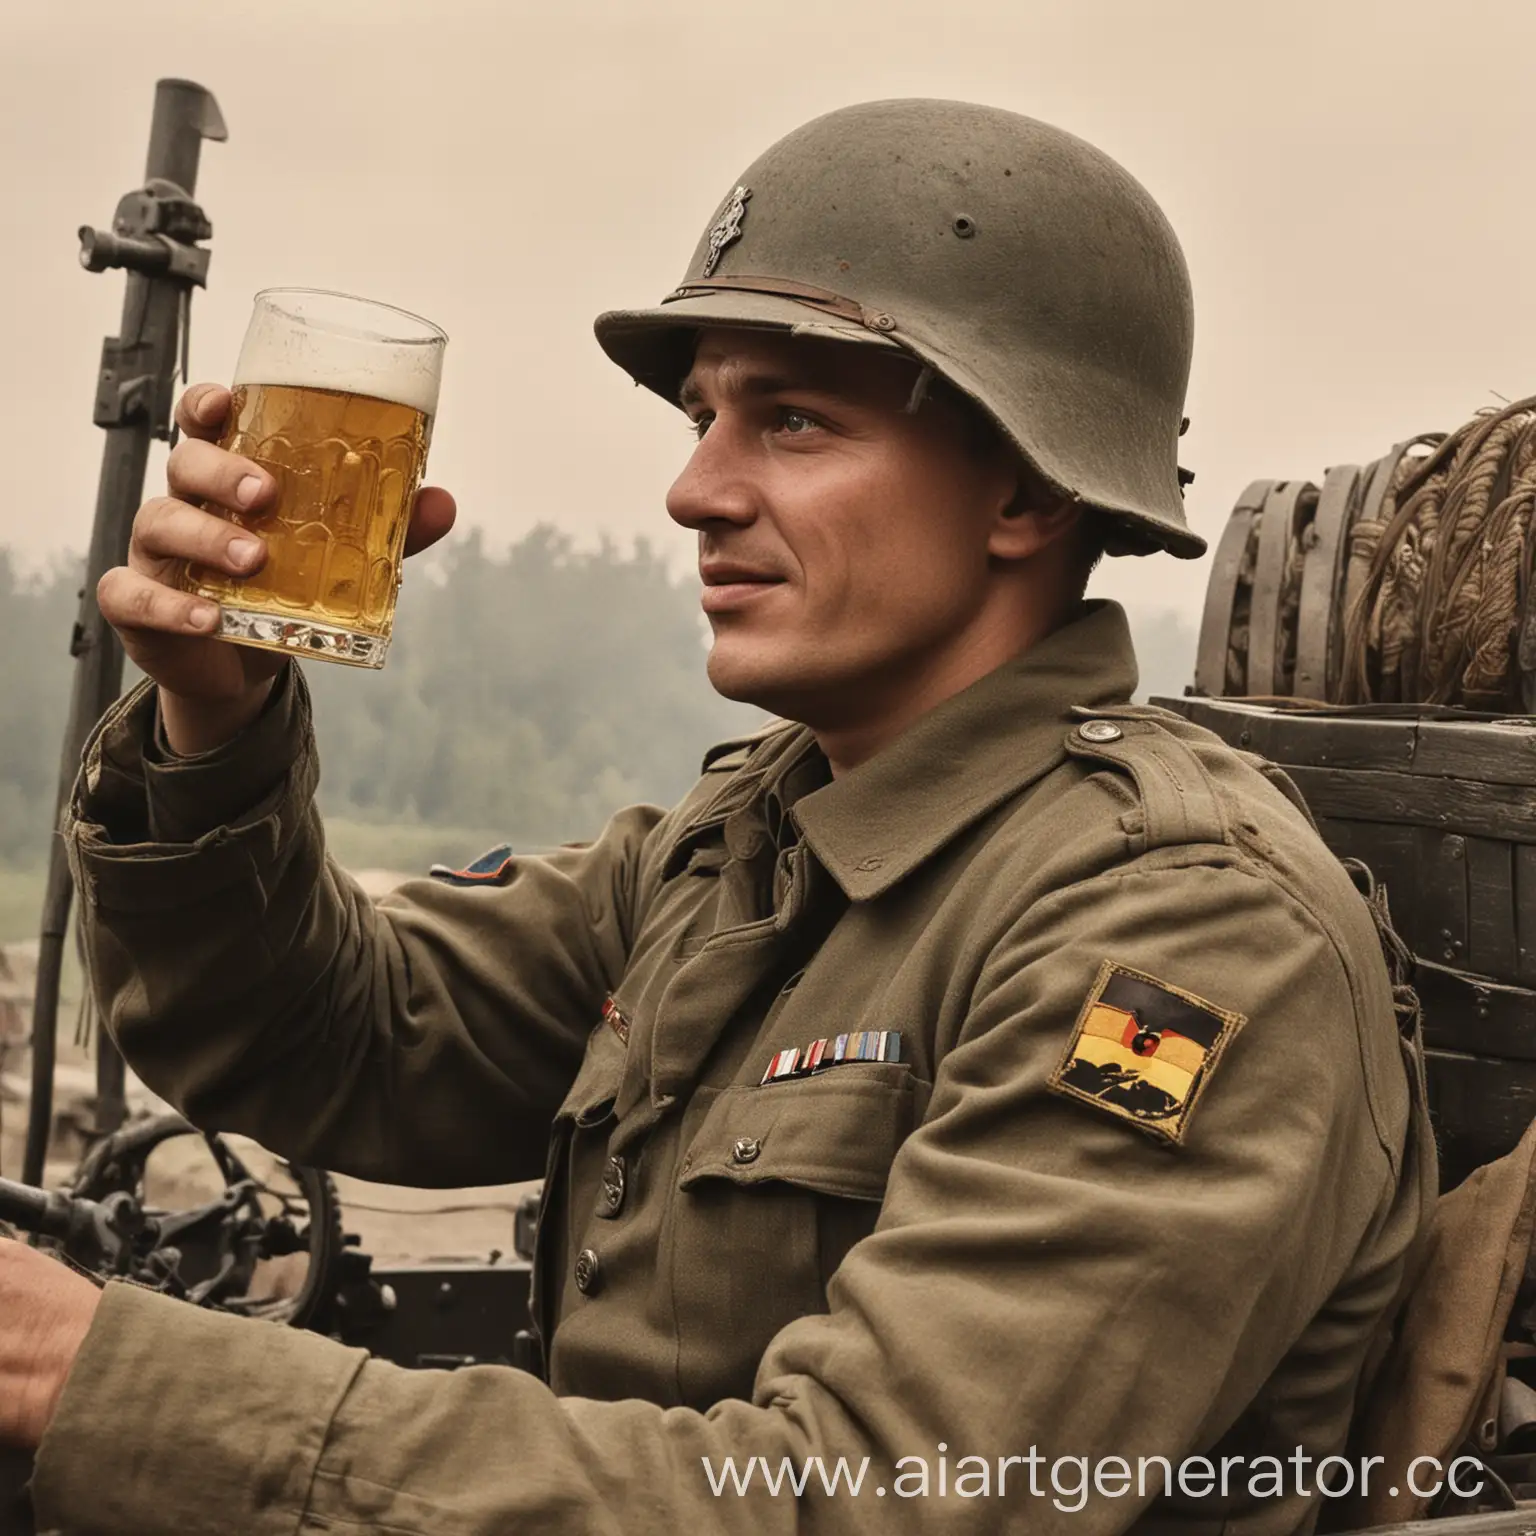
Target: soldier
{"points": [[974, 1073]]}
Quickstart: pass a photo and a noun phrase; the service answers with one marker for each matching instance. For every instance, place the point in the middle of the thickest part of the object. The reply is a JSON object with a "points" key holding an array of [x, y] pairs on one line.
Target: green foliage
{"points": [[533, 694], [527, 697], [37, 614]]}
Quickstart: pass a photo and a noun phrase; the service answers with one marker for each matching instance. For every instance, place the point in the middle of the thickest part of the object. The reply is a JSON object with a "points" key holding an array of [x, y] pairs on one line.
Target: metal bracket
{"points": [[154, 231], [124, 391], [153, 234]]}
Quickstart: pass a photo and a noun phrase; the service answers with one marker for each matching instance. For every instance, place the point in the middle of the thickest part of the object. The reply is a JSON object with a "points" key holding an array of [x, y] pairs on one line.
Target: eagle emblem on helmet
{"points": [[726, 230]]}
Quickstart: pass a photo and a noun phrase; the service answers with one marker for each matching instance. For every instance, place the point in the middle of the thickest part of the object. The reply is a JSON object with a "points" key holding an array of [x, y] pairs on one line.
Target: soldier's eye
{"points": [[796, 423], [699, 424]]}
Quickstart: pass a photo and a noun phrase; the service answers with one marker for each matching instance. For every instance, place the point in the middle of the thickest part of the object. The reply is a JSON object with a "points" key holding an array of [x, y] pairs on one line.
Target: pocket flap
{"points": [[835, 1132]]}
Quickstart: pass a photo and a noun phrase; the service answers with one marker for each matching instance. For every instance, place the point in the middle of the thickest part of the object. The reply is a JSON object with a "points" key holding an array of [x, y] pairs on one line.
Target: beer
{"points": [[341, 419], [347, 468]]}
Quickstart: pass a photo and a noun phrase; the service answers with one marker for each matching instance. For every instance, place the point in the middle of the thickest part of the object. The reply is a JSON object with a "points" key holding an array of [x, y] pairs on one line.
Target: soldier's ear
{"points": [[1028, 490], [1033, 520]]}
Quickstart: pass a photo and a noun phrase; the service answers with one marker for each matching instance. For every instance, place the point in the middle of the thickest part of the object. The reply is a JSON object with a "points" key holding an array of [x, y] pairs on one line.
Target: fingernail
{"points": [[244, 551], [248, 490], [204, 409], [204, 615]]}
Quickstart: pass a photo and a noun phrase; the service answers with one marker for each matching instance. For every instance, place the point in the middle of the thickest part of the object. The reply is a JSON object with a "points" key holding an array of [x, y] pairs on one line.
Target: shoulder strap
{"points": [[1178, 799]]}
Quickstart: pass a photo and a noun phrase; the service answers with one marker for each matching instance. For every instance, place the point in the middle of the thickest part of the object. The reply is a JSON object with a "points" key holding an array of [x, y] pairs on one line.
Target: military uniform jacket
{"points": [[1115, 1158]]}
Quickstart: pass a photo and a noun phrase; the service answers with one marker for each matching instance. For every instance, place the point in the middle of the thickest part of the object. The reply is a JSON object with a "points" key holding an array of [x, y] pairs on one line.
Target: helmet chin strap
{"points": [[919, 390]]}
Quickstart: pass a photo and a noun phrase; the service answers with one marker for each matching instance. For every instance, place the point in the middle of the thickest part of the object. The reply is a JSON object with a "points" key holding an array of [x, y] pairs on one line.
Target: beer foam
{"points": [[400, 361]]}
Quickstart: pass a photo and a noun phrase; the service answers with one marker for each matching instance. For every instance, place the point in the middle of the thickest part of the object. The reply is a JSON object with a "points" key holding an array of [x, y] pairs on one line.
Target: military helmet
{"points": [[1015, 260]]}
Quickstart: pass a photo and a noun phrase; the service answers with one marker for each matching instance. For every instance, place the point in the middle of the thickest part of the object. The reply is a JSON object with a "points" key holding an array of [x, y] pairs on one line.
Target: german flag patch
{"points": [[1143, 1050]]}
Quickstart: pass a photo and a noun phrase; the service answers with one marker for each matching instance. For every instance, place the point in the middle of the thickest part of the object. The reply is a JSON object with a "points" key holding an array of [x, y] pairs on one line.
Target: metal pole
{"points": [[154, 236]]}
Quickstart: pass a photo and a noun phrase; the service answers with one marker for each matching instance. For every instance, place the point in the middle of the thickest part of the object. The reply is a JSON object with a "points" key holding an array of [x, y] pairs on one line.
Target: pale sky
{"points": [[1350, 182]]}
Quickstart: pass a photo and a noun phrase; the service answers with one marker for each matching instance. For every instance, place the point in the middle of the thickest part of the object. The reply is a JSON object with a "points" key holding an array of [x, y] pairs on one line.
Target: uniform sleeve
{"points": [[184, 798], [250, 981], [1044, 1279]]}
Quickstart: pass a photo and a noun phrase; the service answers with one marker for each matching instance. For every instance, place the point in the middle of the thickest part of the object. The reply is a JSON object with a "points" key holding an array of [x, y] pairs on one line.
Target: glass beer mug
{"points": [[334, 397]]}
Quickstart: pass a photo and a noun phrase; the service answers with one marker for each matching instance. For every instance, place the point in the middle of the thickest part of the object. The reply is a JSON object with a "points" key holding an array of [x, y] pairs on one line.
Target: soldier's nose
{"points": [[711, 488]]}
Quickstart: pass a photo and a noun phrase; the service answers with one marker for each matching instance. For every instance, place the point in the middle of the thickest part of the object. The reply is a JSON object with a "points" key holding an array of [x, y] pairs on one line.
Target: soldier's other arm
{"points": [[1044, 1277], [250, 980]]}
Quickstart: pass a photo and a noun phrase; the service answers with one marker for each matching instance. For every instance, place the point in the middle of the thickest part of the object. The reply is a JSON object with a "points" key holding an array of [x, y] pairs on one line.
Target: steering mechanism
{"points": [[229, 1252]]}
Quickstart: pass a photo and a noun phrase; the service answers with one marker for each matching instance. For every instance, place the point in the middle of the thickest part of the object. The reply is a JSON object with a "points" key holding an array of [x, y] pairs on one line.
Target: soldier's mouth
{"points": [[720, 573], [731, 591]]}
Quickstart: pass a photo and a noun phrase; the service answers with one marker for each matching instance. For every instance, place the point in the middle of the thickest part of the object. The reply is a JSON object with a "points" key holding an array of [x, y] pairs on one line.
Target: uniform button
{"points": [[1100, 730], [746, 1149], [589, 1271], [613, 1187]]}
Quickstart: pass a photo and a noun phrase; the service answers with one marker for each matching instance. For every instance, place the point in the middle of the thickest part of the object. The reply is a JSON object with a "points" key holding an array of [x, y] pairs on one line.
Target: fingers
{"points": [[202, 410], [167, 529], [130, 600], [199, 470], [431, 517]]}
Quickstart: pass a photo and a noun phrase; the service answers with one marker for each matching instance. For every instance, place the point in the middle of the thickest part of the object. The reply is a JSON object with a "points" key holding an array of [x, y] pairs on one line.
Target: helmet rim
{"points": [[654, 346]]}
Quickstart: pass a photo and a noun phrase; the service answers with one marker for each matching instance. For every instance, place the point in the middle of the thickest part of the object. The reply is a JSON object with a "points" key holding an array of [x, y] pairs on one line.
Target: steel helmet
{"points": [[1017, 261]]}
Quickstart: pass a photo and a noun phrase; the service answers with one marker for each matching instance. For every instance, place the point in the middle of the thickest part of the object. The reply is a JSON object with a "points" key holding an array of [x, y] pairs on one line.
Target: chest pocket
{"points": [[777, 1184], [835, 1132]]}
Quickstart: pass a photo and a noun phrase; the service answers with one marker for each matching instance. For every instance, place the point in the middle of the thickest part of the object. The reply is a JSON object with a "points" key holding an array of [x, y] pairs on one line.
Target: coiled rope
{"points": [[1437, 585]]}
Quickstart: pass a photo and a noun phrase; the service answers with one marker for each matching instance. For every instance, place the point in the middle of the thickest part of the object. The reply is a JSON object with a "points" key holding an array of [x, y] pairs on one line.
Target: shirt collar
{"points": [[875, 824]]}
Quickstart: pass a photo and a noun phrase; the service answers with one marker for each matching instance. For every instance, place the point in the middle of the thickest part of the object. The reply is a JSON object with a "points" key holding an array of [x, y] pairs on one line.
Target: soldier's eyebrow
{"points": [[739, 383]]}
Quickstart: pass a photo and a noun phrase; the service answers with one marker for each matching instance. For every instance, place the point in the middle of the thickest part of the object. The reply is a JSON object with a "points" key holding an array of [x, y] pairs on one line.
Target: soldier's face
{"points": [[844, 541]]}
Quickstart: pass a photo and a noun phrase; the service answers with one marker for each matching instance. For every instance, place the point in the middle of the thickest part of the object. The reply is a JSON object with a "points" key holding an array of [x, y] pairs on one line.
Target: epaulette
{"points": [[1179, 802], [727, 756]]}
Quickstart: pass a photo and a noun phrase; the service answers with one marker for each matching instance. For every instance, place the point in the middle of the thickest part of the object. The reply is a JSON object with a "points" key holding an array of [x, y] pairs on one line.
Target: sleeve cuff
{"points": [[190, 796], [148, 830], [178, 1418]]}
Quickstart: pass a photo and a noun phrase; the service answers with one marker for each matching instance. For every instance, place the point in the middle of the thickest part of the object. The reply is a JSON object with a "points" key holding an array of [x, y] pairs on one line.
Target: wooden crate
{"points": [[1441, 806]]}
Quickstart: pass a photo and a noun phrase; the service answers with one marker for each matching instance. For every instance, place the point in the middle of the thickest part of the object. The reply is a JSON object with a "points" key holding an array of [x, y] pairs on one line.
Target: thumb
{"points": [[431, 517]]}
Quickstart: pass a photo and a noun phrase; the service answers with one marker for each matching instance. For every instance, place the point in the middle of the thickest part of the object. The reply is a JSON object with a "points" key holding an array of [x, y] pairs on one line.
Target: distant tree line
{"points": [[531, 692], [534, 693], [36, 615]]}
